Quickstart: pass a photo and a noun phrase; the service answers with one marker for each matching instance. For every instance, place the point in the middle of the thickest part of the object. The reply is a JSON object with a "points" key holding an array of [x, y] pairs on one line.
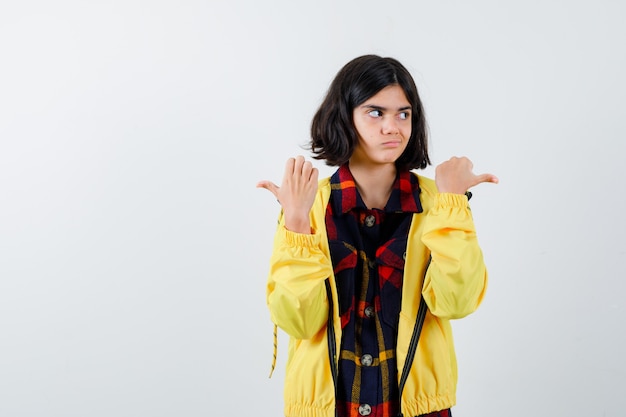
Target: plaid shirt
{"points": [[367, 250]]}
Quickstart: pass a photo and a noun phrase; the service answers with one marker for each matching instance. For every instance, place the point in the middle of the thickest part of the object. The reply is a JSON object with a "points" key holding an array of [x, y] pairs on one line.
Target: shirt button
{"points": [[404, 256], [366, 360], [369, 312], [365, 409], [370, 221]]}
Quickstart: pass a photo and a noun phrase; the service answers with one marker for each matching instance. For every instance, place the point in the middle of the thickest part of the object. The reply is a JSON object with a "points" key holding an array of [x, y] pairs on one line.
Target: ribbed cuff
{"points": [[447, 200], [301, 239]]}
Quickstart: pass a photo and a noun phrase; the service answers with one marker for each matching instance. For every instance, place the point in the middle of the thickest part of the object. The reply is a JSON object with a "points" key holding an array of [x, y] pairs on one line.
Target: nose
{"points": [[390, 126]]}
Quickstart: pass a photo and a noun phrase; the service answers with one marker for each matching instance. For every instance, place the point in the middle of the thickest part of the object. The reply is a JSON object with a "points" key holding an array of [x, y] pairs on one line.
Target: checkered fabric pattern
{"points": [[367, 250]]}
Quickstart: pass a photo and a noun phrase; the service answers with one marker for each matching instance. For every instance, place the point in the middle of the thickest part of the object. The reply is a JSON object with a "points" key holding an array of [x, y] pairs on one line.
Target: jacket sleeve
{"points": [[296, 292], [456, 280]]}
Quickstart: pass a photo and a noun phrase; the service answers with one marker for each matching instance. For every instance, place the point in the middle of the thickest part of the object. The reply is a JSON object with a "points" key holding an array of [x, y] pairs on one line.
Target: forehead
{"points": [[392, 96]]}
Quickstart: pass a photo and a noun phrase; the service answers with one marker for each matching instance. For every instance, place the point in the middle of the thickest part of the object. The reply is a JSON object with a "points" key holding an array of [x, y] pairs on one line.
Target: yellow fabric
{"points": [[454, 286]]}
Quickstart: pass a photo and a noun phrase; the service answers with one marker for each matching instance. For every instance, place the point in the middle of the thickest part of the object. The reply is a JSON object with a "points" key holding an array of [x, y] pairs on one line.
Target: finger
{"points": [[314, 175], [307, 168], [486, 178], [298, 165], [270, 186], [289, 167]]}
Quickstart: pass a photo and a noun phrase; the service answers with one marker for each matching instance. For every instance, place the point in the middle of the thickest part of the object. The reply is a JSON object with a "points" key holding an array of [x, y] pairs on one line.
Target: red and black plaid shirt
{"points": [[367, 250]]}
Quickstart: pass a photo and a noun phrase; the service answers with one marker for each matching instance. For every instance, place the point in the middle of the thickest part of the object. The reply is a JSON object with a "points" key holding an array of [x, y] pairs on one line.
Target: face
{"points": [[383, 125]]}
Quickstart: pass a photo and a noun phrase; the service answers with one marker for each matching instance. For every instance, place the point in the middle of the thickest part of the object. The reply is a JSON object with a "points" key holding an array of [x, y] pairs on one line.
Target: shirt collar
{"points": [[345, 196]]}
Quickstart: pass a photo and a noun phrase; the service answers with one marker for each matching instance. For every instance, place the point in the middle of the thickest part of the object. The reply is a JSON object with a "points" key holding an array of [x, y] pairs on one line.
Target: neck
{"points": [[374, 183]]}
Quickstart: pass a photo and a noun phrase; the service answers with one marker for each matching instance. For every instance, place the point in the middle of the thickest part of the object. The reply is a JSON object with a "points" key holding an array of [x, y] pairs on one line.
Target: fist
{"points": [[455, 176]]}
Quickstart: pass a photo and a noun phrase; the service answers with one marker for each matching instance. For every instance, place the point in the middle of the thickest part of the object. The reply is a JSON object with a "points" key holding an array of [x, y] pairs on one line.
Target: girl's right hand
{"points": [[296, 194]]}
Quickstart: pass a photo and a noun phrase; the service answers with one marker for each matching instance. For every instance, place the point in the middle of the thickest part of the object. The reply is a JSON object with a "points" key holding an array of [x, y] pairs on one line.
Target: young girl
{"points": [[371, 264]]}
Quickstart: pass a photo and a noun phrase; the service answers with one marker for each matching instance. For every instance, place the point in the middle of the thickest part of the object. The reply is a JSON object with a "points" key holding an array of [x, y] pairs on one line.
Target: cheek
{"points": [[360, 131], [407, 130], [364, 134], [407, 136]]}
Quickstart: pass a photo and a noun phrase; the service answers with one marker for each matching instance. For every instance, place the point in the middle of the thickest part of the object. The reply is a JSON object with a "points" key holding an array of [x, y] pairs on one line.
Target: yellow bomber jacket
{"points": [[301, 291]]}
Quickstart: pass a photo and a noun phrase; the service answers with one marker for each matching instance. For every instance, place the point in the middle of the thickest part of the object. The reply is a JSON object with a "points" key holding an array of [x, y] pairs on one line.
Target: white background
{"points": [[134, 245]]}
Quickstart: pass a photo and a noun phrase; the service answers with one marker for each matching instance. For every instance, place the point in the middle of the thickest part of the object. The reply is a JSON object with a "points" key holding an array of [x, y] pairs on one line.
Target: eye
{"points": [[405, 115], [375, 113]]}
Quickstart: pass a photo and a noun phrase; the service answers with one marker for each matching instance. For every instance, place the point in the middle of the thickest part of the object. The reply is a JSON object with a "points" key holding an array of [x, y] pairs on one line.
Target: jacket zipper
{"points": [[419, 323], [332, 346]]}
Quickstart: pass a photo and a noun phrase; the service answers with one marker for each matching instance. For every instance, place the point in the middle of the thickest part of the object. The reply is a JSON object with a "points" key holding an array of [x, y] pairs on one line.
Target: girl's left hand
{"points": [[455, 176]]}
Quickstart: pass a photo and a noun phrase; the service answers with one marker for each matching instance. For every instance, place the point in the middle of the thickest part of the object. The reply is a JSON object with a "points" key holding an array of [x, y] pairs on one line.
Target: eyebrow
{"points": [[375, 107]]}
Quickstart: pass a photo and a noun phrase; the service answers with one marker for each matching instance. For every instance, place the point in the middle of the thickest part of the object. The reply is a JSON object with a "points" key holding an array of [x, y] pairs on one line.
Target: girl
{"points": [[371, 264]]}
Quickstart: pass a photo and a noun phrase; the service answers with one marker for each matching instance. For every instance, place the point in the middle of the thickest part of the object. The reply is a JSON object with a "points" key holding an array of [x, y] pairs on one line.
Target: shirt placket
{"points": [[368, 339]]}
